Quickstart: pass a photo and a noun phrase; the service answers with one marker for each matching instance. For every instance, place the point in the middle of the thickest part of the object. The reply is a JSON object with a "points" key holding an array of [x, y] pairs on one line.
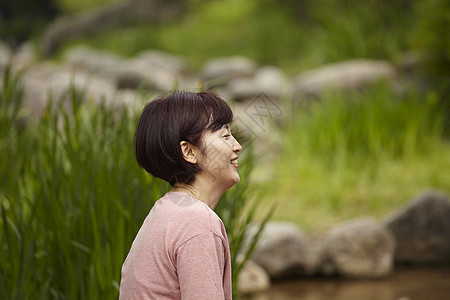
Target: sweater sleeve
{"points": [[200, 267]]}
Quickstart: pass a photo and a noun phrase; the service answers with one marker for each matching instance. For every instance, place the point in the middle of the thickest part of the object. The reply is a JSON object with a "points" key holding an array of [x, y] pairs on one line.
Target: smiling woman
{"points": [[182, 250]]}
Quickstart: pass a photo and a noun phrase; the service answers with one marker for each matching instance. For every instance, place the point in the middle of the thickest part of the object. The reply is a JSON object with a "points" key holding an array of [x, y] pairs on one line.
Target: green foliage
{"points": [[351, 29], [376, 124], [294, 36], [20, 20], [208, 30], [72, 198], [78, 6], [430, 36], [359, 154]]}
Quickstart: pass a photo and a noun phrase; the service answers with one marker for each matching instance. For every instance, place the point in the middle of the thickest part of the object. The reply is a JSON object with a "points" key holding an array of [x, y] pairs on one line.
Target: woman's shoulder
{"points": [[191, 214]]}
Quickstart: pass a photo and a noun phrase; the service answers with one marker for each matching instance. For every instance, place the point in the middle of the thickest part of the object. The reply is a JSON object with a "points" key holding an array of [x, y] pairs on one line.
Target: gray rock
{"points": [[253, 279], [133, 81], [24, 57], [127, 99], [223, 69], [161, 60], [359, 248], [151, 70], [102, 63], [422, 229], [37, 91], [346, 76], [284, 251], [5, 55], [241, 89], [271, 81], [48, 81], [137, 76], [267, 80], [159, 70], [148, 74]]}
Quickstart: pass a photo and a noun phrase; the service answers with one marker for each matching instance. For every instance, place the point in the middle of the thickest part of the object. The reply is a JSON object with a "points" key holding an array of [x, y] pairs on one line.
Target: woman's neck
{"points": [[201, 190]]}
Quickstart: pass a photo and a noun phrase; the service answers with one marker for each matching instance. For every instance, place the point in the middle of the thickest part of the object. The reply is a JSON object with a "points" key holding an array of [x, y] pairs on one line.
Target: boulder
{"points": [[5, 55], [133, 81], [126, 99], [221, 70], [284, 251], [268, 80], [359, 248], [151, 70], [148, 75], [24, 57], [271, 81], [38, 88], [422, 229], [253, 279], [102, 63], [162, 60], [49, 81], [241, 89], [344, 76], [136, 76]]}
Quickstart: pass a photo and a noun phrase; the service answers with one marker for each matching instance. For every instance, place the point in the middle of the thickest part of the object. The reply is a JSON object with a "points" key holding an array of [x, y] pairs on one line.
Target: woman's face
{"points": [[219, 157]]}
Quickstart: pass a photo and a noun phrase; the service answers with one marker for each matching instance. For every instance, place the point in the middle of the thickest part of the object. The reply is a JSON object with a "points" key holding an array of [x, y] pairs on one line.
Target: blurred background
{"points": [[342, 108]]}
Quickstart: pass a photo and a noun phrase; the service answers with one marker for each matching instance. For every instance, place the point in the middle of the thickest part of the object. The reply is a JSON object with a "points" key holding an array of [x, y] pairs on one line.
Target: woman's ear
{"points": [[189, 152]]}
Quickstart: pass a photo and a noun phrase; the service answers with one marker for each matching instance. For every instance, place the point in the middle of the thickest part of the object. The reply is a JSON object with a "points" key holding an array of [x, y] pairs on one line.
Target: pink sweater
{"points": [[180, 252]]}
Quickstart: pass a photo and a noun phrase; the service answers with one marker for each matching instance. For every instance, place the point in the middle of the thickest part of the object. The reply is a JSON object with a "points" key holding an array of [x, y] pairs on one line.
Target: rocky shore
{"points": [[417, 234]]}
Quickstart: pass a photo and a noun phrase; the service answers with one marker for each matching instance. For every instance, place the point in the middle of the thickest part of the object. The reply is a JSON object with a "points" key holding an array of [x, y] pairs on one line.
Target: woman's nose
{"points": [[236, 146]]}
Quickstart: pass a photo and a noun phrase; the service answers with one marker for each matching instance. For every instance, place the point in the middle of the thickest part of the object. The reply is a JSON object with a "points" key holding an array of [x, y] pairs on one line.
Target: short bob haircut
{"points": [[170, 119]]}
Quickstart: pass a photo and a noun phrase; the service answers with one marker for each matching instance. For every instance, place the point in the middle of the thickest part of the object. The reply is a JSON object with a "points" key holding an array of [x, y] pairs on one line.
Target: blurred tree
{"points": [[113, 15], [300, 9], [430, 36], [21, 19]]}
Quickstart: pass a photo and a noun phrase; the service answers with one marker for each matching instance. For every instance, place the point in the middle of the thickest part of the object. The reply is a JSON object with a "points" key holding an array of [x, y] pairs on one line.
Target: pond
{"points": [[403, 284]]}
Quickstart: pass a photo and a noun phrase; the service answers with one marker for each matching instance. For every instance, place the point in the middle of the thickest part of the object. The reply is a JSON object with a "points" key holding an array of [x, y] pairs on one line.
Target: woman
{"points": [[181, 250]]}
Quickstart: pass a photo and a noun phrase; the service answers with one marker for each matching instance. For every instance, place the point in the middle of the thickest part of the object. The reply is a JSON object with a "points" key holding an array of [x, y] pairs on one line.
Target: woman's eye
{"points": [[227, 136]]}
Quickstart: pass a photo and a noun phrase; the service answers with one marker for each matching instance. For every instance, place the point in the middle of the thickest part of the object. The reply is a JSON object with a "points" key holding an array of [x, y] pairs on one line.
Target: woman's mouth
{"points": [[234, 162]]}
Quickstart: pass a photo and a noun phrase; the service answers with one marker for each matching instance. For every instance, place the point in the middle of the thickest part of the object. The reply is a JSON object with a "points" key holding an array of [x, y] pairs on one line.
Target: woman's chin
{"points": [[236, 179], [231, 182]]}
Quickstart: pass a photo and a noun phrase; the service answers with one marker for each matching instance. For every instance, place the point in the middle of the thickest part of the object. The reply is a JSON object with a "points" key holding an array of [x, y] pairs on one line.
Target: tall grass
{"points": [[373, 124], [72, 198], [360, 154]]}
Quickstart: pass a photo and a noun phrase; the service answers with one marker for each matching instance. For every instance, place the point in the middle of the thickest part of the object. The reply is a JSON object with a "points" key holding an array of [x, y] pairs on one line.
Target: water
{"points": [[403, 284]]}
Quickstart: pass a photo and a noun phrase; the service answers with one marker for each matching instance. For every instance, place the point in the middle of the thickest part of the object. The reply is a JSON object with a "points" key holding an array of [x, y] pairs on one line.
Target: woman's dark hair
{"points": [[168, 120]]}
